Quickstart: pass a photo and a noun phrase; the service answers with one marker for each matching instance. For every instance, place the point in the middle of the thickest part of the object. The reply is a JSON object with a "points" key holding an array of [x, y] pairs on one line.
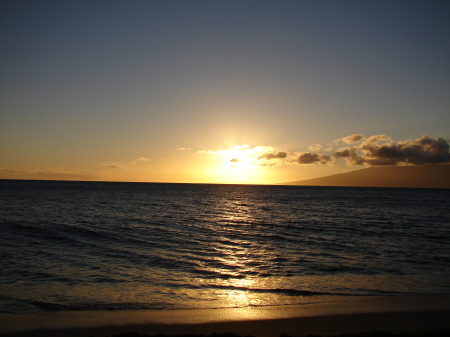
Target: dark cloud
{"points": [[310, 158], [372, 151], [421, 151], [269, 156], [350, 154], [234, 160]]}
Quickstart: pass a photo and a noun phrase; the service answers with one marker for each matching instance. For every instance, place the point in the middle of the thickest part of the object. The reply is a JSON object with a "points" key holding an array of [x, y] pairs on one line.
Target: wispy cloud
{"points": [[314, 147], [112, 165], [350, 139], [142, 159], [12, 171], [50, 174], [184, 149]]}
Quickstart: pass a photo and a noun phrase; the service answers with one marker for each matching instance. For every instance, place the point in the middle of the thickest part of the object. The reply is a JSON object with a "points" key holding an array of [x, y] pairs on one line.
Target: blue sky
{"points": [[90, 87]]}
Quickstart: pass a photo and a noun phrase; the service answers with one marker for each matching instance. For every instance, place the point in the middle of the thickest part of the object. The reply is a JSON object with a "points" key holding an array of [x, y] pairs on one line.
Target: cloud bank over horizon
{"points": [[375, 150]]}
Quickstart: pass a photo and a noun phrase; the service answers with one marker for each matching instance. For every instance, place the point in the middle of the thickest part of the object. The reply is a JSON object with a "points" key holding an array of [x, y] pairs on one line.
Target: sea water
{"points": [[102, 245]]}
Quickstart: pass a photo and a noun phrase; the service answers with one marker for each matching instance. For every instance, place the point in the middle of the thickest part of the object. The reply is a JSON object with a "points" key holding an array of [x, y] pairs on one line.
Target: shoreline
{"points": [[397, 314]]}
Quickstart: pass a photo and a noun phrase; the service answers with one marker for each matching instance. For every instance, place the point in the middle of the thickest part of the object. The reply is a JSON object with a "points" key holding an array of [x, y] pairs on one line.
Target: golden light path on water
{"points": [[238, 255]]}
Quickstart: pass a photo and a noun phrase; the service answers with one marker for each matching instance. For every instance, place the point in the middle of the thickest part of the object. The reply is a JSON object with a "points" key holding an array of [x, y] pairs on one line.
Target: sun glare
{"points": [[239, 164]]}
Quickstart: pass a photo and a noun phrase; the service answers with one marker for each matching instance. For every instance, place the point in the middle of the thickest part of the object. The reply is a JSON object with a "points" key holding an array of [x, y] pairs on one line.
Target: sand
{"points": [[397, 314]]}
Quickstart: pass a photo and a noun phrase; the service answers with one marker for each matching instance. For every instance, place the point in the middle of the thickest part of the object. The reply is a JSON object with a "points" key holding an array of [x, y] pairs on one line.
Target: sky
{"points": [[221, 91]]}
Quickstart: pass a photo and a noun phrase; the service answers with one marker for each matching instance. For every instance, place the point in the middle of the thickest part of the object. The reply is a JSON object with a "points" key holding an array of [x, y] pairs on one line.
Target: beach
{"points": [[396, 314]]}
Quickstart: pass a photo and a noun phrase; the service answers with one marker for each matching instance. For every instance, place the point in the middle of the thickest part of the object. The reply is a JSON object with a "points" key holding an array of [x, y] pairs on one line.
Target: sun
{"points": [[239, 164], [238, 156]]}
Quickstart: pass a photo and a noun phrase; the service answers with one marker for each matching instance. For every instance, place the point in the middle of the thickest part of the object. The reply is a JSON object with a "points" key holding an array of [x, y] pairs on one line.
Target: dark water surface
{"points": [[95, 246]]}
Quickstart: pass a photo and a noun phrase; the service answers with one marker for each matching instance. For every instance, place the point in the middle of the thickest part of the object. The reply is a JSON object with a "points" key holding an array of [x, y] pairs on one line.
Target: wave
{"points": [[299, 292], [284, 291], [49, 306]]}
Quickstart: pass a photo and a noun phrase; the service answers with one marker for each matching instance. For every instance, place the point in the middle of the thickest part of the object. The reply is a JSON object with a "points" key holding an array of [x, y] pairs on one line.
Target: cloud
{"points": [[376, 139], [271, 158], [184, 149], [269, 155], [112, 165], [381, 150], [314, 147], [276, 158], [372, 151], [351, 156], [350, 139], [10, 171], [50, 175], [143, 159], [422, 151], [311, 158]]}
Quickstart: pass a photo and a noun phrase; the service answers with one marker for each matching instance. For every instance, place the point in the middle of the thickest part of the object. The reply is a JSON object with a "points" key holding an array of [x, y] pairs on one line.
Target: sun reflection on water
{"points": [[240, 297], [243, 270]]}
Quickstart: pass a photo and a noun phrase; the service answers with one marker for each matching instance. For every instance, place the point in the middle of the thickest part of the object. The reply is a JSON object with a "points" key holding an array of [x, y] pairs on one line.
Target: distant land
{"points": [[426, 176]]}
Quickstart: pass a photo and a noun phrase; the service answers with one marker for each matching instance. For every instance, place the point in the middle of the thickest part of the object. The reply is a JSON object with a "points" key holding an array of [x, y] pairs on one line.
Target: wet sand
{"points": [[397, 314]]}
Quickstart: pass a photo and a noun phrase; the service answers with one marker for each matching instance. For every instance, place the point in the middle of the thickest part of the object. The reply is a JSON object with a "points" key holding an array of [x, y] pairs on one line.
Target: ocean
{"points": [[124, 246]]}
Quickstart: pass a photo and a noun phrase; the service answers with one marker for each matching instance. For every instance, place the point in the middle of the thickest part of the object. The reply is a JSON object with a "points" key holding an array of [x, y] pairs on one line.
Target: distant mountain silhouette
{"points": [[426, 176]]}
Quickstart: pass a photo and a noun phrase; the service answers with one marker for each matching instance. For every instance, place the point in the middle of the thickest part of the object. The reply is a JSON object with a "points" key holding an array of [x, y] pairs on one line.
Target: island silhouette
{"points": [[423, 176]]}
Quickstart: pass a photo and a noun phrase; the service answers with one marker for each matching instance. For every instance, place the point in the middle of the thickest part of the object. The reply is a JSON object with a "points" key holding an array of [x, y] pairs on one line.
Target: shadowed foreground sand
{"points": [[437, 333], [431, 323], [414, 315]]}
